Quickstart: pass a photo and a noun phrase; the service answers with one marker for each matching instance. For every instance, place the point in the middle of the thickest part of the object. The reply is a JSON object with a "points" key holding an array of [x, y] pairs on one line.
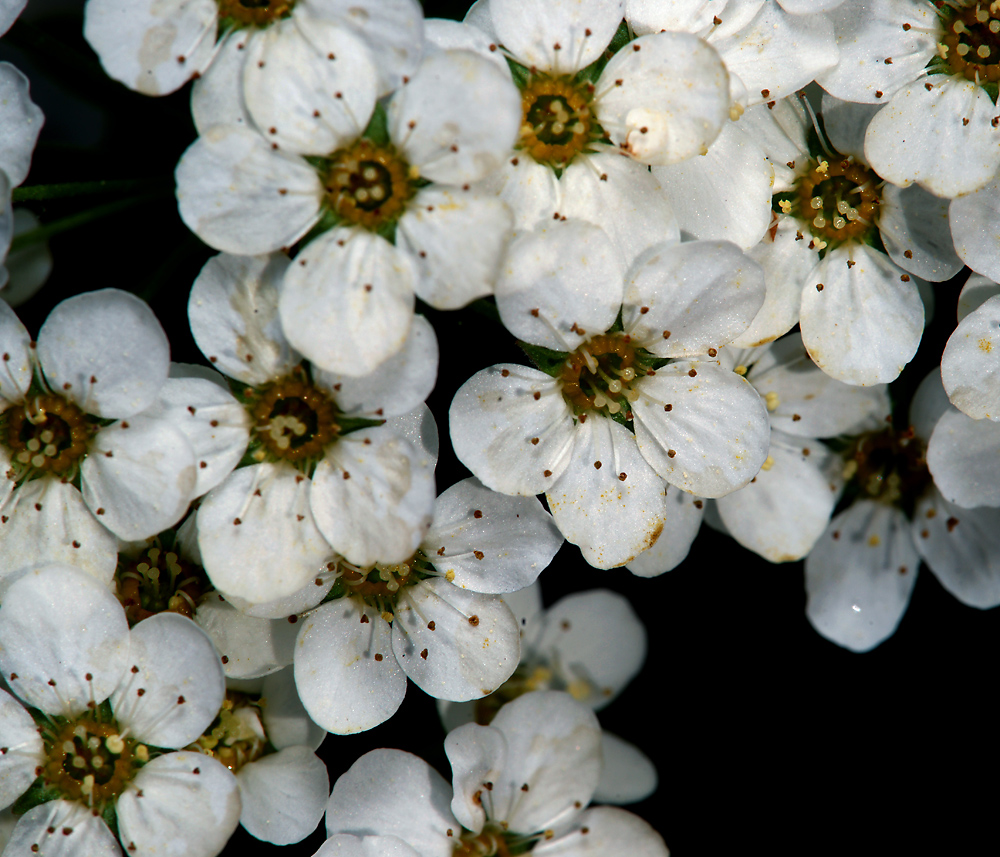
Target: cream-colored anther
{"points": [[994, 26], [983, 51], [843, 206], [816, 202], [839, 222], [962, 49], [819, 221]]}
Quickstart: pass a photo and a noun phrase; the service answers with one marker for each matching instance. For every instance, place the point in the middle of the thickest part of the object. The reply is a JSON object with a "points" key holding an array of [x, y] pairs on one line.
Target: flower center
{"points": [[295, 421], [597, 376], [839, 199], [237, 736], [971, 43], [558, 121], [889, 466], [48, 434], [492, 841], [89, 761], [368, 185], [159, 581], [254, 13]]}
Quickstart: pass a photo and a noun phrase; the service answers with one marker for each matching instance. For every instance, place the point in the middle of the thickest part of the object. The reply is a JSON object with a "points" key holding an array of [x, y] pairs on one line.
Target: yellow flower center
{"points": [[971, 43], [839, 199], [47, 434], [295, 420], [254, 13], [558, 120], [597, 376], [369, 185]]}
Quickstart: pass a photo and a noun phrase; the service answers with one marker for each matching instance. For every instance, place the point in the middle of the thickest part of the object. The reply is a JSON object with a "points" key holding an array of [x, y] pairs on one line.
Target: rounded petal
{"points": [[860, 575], [939, 135], [716, 428], [604, 830], [284, 795], [477, 755], [22, 123], [233, 312], [627, 775], [22, 752], [353, 283], [969, 369], [250, 647], [963, 455], [473, 649], [65, 637], [673, 100], [238, 194], [43, 830], [181, 803], [490, 542], [682, 522], [217, 95], [975, 229], [106, 351], [914, 227], [346, 674], [17, 367], [861, 318], [373, 501]]}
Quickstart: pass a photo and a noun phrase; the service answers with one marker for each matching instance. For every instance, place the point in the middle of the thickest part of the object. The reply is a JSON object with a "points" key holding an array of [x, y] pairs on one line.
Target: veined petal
{"points": [[860, 575], [628, 775], [963, 455], [608, 829], [531, 191], [673, 100], [22, 123], [345, 672], [42, 830], [283, 795], [446, 35], [975, 229], [285, 718], [716, 427], [474, 647], [914, 227], [347, 301], [969, 369], [217, 95], [251, 647], [15, 376], [238, 194], [23, 749], [477, 755], [345, 845], [681, 525]]}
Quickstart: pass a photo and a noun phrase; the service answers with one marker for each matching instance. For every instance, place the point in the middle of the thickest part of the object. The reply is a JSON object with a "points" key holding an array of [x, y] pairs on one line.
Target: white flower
{"points": [[969, 366], [9, 10], [435, 618], [105, 695], [72, 410], [525, 431]]}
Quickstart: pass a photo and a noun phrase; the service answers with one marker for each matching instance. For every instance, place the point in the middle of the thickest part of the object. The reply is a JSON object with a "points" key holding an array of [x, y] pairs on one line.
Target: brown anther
{"points": [[473, 620]]}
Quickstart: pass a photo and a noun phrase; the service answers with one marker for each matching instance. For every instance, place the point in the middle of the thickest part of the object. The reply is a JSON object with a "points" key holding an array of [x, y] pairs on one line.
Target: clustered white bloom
{"points": [[716, 276]]}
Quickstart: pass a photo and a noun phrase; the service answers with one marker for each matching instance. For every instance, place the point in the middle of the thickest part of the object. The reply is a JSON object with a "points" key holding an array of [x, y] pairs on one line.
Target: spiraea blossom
{"points": [[390, 212], [325, 472], [935, 66], [82, 461], [104, 707], [615, 411], [155, 48], [524, 781], [436, 618]]}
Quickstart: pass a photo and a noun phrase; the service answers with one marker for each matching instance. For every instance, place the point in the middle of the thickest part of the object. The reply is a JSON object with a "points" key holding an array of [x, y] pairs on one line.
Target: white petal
{"points": [[106, 351], [865, 324], [683, 299], [457, 239], [962, 548], [88, 834], [690, 16], [845, 124], [913, 221], [373, 501], [724, 194], [608, 501], [142, 473], [301, 600], [341, 683], [260, 546], [238, 194], [929, 404], [473, 649], [939, 135], [217, 95], [717, 427], [477, 755], [415, 807], [781, 132], [233, 312], [251, 647], [17, 361], [345, 845], [627, 775], [673, 100], [9, 10], [490, 542], [969, 369], [975, 228], [496, 418], [284, 717], [560, 36], [347, 301], [531, 191], [606, 181], [22, 752], [963, 455], [559, 281], [457, 119], [30, 266], [420, 429], [683, 520], [180, 803], [52, 524], [868, 33], [61, 625], [153, 47], [608, 830], [22, 123], [443, 34], [860, 575], [309, 85], [284, 795]]}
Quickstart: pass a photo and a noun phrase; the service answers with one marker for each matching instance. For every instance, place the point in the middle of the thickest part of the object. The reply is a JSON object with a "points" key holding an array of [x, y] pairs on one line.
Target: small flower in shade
{"points": [[104, 706], [521, 783], [622, 400], [80, 456], [590, 644], [436, 618], [970, 365]]}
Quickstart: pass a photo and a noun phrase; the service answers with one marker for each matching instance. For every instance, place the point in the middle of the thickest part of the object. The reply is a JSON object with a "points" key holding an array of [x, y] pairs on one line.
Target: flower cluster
{"points": [[635, 265]]}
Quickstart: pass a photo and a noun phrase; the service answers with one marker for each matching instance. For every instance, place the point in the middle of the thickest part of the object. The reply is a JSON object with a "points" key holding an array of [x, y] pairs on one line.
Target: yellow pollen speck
{"points": [[874, 541], [387, 615], [772, 401], [768, 463], [985, 345], [785, 205], [820, 244], [87, 787], [413, 173], [142, 753], [450, 575], [740, 370], [579, 689], [822, 166], [942, 50]]}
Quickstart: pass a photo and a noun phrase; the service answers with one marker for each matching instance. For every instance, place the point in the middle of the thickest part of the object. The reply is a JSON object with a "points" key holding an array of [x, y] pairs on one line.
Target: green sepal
{"points": [[548, 361], [378, 127], [623, 35], [104, 713], [38, 792], [622, 420], [352, 424], [487, 307], [520, 73], [110, 818]]}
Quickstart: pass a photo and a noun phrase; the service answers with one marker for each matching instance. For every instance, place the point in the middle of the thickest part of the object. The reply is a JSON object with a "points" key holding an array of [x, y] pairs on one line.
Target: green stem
{"points": [[42, 233], [71, 189]]}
